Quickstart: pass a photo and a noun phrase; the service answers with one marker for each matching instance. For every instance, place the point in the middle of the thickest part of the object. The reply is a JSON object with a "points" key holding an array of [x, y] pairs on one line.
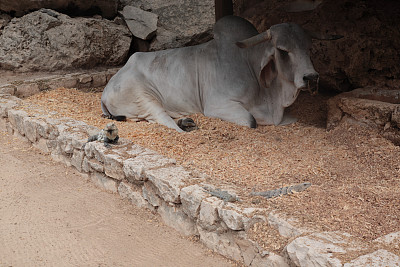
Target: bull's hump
{"points": [[233, 29]]}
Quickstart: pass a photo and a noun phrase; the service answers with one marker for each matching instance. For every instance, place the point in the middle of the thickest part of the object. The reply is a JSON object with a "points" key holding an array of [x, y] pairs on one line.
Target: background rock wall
{"points": [[368, 54]]}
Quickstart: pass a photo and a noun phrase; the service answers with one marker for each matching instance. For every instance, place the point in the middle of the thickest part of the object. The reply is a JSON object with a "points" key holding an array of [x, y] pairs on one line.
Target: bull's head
{"points": [[286, 60]]}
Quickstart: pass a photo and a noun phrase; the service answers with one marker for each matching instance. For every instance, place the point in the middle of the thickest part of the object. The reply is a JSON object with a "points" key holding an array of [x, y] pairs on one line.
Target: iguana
{"points": [[109, 135], [224, 195], [282, 191]]}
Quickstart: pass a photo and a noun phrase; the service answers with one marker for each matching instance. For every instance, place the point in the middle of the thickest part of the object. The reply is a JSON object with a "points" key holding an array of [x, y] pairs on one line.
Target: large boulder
{"points": [[180, 22], [47, 40], [106, 8]]}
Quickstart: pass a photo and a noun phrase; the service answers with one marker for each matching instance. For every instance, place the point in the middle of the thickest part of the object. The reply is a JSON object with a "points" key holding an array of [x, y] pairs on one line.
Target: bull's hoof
{"points": [[187, 124], [115, 118]]}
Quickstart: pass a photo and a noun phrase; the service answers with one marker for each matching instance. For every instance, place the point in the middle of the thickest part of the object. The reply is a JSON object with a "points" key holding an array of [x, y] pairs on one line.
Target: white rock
{"points": [[135, 168], [270, 260], [169, 181], [150, 193], [136, 198], [223, 243], [283, 226], [30, 129], [208, 217], [230, 215], [175, 217], [315, 250], [77, 159], [142, 24], [113, 166], [379, 258], [104, 182], [389, 238], [191, 198]]}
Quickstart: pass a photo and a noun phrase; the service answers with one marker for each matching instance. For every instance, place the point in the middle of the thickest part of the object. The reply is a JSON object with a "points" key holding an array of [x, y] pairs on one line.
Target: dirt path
{"points": [[50, 216]]}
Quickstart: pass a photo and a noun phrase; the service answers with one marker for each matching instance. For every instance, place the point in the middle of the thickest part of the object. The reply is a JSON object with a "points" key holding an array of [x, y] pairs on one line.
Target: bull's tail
{"points": [[108, 115]]}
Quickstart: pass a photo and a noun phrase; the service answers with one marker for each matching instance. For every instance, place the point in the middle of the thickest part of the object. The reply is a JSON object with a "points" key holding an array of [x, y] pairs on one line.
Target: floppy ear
{"points": [[268, 69]]}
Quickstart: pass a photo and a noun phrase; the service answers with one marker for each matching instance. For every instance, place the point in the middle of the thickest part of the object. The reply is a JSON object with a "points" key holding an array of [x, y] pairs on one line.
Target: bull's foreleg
{"points": [[159, 115], [233, 112]]}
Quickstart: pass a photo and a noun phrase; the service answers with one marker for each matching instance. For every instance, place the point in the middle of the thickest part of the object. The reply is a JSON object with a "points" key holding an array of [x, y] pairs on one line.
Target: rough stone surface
{"points": [[224, 244], [104, 182], [208, 216], [7, 102], [16, 118], [270, 260], [108, 8], [49, 41], [369, 106], [77, 159], [319, 249], [113, 166], [232, 218], [283, 226], [169, 181], [135, 168], [174, 217], [142, 24], [390, 239], [150, 193], [191, 198], [136, 198], [180, 23], [379, 258]]}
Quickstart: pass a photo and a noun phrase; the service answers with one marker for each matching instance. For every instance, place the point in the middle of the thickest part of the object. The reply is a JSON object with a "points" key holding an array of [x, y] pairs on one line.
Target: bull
{"points": [[241, 76]]}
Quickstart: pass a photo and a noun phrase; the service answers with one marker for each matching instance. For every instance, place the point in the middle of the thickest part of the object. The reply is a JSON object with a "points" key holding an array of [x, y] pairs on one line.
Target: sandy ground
{"points": [[51, 216]]}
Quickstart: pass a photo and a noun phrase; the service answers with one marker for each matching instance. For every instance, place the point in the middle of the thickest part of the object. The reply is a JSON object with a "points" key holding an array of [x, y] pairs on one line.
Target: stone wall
{"points": [[157, 183]]}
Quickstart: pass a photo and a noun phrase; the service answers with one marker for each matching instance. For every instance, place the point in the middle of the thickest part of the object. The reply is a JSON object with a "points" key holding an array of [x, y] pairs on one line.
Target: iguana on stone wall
{"points": [[109, 135], [224, 195], [282, 191]]}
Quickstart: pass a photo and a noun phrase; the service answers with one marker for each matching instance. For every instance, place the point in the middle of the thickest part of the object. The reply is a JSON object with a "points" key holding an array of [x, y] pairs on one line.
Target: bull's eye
{"points": [[283, 54]]}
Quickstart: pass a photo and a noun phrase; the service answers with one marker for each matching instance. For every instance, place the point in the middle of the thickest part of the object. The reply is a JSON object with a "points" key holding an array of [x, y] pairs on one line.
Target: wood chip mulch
{"points": [[354, 172]]}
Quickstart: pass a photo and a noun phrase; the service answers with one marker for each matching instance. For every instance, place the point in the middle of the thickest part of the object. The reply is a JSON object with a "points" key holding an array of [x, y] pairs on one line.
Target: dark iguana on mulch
{"points": [[221, 194], [109, 135], [282, 191]]}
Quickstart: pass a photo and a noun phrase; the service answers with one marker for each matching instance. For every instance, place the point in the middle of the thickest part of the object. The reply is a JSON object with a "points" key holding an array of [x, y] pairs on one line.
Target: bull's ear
{"points": [[268, 71]]}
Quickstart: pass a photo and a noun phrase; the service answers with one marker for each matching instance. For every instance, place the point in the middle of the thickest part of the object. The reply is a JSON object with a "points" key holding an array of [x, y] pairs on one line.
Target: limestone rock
{"points": [[284, 227], [232, 218], [136, 198], [389, 239], [16, 118], [135, 168], [113, 166], [180, 23], [102, 181], [150, 193], [7, 102], [175, 217], [169, 181], [48, 41], [191, 198], [319, 249], [224, 244], [77, 159], [379, 258], [208, 216], [107, 8], [142, 24]]}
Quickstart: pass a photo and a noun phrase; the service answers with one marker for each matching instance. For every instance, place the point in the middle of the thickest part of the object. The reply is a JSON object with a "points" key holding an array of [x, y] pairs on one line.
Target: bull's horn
{"points": [[321, 36], [255, 40]]}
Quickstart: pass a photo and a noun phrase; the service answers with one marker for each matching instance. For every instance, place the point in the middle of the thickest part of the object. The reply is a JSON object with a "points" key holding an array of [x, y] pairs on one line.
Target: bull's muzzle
{"points": [[311, 80]]}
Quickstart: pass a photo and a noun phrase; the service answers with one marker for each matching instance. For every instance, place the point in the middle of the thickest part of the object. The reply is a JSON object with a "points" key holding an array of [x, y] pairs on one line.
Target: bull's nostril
{"points": [[311, 77]]}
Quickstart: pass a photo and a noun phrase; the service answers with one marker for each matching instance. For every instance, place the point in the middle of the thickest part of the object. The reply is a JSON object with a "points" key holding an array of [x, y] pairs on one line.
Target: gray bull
{"points": [[240, 76]]}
